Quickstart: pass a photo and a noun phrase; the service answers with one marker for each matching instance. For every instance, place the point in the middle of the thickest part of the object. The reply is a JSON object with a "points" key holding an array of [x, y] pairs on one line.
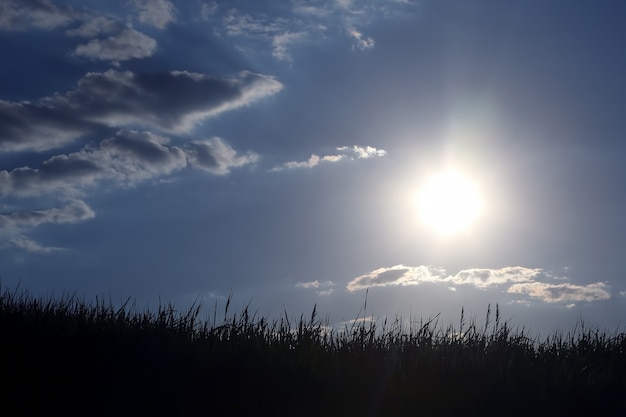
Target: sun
{"points": [[449, 203]]}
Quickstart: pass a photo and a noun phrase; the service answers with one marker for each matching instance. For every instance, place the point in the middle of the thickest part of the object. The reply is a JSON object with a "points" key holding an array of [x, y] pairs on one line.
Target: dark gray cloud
{"points": [[214, 156], [26, 126], [126, 159], [41, 14], [171, 101], [111, 39]]}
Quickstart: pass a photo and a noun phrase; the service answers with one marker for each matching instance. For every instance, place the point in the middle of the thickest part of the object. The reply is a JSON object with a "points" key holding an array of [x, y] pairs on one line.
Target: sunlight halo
{"points": [[449, 203]]}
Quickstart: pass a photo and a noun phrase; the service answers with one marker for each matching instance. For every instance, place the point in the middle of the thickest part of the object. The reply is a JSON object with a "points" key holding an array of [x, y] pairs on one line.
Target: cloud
{"points": [[362, 152], [173, 101], [75, 212], [40, 14], [351, 152], [517, 279], [13, 223], [28, 245], [562, 293], [216, 157], [125, 159], [157, 13], [208, 10], [122, 46], [282, 41], [396, 275], [311, 20], [25, 126], [96, 26], [237, 23], [306, 8], [359, 41], [483, 278], [323, 288]]}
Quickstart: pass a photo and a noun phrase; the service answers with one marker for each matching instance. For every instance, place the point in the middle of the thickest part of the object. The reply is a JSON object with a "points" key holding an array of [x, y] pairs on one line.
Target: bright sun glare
{"points": [[449, 203]]}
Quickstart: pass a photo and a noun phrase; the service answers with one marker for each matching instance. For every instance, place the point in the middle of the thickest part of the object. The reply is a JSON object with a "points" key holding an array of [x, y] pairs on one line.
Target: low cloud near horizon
{"points": [[530, 282]]}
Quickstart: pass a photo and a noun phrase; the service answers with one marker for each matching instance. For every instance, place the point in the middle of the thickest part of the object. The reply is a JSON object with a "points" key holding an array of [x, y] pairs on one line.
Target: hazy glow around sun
{"points": [[449, 203]]}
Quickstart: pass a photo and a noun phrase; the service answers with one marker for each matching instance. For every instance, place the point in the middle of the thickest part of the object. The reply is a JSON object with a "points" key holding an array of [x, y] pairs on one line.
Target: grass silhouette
{"points": [[66, 356]]}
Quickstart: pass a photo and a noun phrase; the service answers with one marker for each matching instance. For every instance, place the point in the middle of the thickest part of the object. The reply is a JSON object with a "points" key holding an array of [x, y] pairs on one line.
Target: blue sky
{"points": [[279, 152]]}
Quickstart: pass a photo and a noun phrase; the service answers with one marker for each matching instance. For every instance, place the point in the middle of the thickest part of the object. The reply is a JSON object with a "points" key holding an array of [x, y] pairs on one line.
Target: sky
{"points": [[423, 156]]}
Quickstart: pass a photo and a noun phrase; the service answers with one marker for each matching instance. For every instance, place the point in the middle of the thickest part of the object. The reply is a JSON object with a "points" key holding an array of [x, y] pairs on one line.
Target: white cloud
{"points": [[125, 45], [397, 275], [157, 13], [517, 280], [362, 152], [323, 288], [561, 293], [351, 152], [483, 277], [359, 41]]}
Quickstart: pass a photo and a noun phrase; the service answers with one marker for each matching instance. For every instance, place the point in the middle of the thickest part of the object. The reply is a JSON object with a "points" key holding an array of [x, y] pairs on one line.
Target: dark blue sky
{"points": [[279, 151]]}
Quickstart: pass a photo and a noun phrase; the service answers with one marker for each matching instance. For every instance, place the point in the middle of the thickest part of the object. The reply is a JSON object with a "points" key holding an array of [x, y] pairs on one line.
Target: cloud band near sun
{"points": [[530, 282], [344, 152]]}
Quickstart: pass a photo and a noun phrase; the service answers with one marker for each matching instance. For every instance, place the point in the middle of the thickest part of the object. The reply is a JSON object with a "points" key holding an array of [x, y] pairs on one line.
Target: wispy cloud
{"points": [[74, 212], [282, 41], [321, 288], [24, 243], [562, 293], [173, 101], [306, 21], [208, 10], [157, 13], [516, 280], [13, 224], [344, 152], [40, 14], [125, 44]]}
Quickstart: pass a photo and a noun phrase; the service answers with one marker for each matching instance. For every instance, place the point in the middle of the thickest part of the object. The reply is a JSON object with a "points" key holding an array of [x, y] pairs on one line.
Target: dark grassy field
{"points": [[69, 357]]}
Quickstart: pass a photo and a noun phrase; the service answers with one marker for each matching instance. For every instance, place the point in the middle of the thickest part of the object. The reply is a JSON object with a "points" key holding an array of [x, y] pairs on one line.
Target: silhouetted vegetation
{"points": [[68, 357]]}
